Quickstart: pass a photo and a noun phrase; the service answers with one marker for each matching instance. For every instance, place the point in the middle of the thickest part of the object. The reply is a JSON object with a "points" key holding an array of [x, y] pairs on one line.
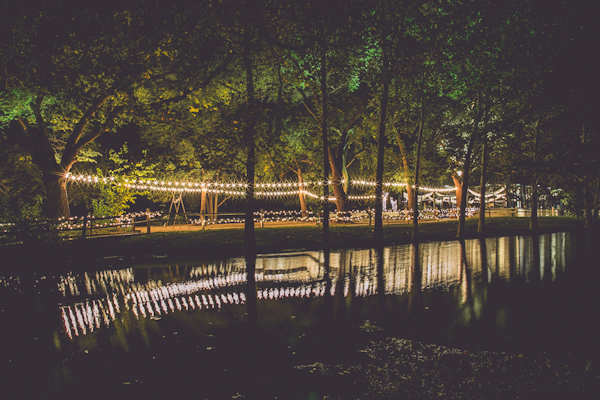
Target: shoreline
{"points": [[229, 242]]}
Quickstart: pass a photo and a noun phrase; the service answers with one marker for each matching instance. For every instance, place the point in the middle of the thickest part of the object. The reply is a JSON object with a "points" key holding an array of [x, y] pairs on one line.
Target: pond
{"points": [[207, 328]]}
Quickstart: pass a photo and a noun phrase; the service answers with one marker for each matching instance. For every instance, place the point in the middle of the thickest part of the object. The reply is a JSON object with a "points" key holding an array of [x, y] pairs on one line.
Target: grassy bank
{"points": [[230, 242]]}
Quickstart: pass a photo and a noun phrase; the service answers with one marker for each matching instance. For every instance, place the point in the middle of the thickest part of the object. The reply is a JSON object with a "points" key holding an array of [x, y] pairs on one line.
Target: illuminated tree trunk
{"points": [[415, 229], [57, 204], [249, 141], [462, 214], [213, 206], [53, 173], [458, 185], [466, 170], [378, 231], [325, 141], [203, 210], [301, 195], [407, 172], [341, 199]]}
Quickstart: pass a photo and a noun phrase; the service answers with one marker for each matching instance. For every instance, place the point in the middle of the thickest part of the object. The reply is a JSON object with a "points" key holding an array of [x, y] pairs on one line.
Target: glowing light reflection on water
{"points": [[93, 301]]}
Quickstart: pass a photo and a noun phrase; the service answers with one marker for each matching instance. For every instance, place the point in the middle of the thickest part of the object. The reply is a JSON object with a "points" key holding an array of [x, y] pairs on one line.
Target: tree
{"points": [[72, 72]]}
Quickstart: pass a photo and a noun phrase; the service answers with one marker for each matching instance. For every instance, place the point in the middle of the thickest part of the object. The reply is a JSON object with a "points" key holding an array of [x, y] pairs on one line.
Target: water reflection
{"points": [[145, 323], [93, 301]]}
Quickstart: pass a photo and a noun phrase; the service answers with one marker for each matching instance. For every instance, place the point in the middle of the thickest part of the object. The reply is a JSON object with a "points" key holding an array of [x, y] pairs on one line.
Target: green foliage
{"points": [[113, 201]]}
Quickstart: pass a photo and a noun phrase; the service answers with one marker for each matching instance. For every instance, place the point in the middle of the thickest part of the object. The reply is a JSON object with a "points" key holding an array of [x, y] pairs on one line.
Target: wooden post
{"points": [[132, 224], [203, 219], [147, 221], [262, 218]]}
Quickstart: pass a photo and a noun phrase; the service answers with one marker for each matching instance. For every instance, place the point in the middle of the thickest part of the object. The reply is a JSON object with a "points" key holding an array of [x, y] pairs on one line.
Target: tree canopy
{"points": [[276, 89]]}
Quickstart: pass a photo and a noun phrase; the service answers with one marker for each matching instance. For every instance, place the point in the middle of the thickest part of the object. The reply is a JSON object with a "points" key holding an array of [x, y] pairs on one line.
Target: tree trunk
{"points": [[57, 204], [302, 196], [533, 222], [587, 206], [341, 199], [466, 168], [462, 214], [378, 232], [325, 141], [249, 141], [215, 206], [458, 185], [415, 230], [203, 203], [482, 201], [407, 172]]}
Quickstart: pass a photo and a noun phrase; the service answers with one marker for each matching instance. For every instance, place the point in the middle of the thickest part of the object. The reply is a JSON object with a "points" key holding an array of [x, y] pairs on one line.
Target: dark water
{"points": [[204, 330]]}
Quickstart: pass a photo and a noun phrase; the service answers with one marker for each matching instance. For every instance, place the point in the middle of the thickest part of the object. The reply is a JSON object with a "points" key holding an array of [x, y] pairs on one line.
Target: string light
{"points": [[230, 188]]}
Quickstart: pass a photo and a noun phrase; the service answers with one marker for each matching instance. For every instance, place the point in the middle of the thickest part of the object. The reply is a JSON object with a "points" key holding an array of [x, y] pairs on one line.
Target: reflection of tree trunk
{"points": [[536, 272], [483, 257], [466, 284], [302, 196], [416, 281], [381, 303], [341, 199], [251, 298]]}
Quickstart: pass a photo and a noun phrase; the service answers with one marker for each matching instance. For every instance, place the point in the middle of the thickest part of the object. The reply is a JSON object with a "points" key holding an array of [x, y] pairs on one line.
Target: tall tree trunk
{"points": [[462, 215], [57, 204], [407, 172], [325, 141], [215, 208], [482, 201], [249, 141], [203, 204], [458, 184], [533, 222], [341, 199], [301, 195], [53, 173], [378, 232], [415, 230]]}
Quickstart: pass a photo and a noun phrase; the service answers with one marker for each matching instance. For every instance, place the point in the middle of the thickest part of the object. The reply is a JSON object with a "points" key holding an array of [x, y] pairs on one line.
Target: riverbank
{"points": [[217, 243]]}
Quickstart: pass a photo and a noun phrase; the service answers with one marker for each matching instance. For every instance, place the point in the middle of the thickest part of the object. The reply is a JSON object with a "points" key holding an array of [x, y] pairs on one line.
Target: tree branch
{"points": [[202, 85], [308, 108], [37, 111], [83, 122]]}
